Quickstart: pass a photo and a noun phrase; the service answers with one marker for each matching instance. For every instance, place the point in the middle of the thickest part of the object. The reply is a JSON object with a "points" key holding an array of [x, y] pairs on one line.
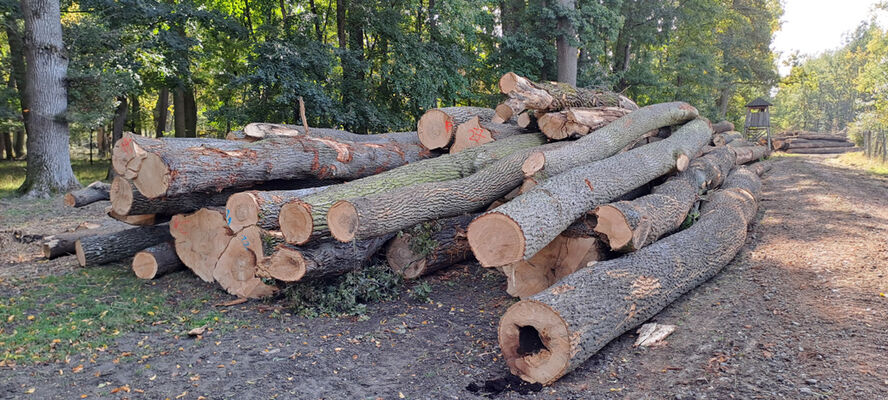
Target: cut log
{"points": [[550, 334], [236, 269], [824, 150], [520, 228], [138, 220], [437, 126], [750, 153], [505, 111], [561, 257], [307, 218], [429, 247], [474, 133], [528, 121], [555, 96], [115, 246], [126, 201], [578, 121], [811, 144], [64, 243], [556, 126], [201, 237], [723, 126], [130, 151], [261, 208], [630, 225], [608, 140], [821, 136], [173, 168], [322, 259], [262, 130], [96, 191], [157, 261]]}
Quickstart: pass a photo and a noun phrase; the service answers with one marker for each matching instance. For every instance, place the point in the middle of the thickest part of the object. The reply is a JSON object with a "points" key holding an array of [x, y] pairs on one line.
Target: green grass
{"points": [[859, 161], [12, 174], [85, 311]]}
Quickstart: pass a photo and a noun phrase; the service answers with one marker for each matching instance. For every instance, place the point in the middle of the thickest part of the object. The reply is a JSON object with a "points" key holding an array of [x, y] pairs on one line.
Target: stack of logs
{"points": [[813, 143], [575, 195]]}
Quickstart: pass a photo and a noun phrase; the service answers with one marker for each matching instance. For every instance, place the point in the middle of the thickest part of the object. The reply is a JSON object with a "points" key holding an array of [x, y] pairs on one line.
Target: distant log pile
{"points": [[813, 143], [555, 180]]}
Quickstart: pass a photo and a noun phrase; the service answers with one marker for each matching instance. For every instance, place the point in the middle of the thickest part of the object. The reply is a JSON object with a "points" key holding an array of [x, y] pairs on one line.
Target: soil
{"points": [[797, 314]]}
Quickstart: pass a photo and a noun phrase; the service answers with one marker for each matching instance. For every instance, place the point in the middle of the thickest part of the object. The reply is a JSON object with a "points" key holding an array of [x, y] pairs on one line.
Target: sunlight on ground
{"points": [[861, 162], [12, 174]]}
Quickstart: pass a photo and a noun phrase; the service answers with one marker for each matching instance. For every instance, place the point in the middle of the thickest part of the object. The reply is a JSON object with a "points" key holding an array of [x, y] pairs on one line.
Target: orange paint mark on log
{"points": [[478, 134], [562, 289], [589, 184], [448, 125], [127, 145]]}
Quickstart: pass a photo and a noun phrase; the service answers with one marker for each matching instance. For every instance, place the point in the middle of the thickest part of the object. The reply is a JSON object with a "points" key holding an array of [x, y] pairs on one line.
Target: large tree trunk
{"points": [[607, 140], [119, 121], [18, 143], [161, 112], [474, 133], [96, 191], [567, 53], [749, 154], [49, 163], [173, 167], [824, 150], [810, 143], [302, 219], [200, 239], [437, 126], [261, 208], [64, 243], [190, 111], [518, 229], [262, 130], [429, 247], [630, 225], [102, 142], [550, 334], [577, 122], [180, 126], [556, 96], [20, 78], [136, 115], [103, 249], [723, 126], [157, 261]]}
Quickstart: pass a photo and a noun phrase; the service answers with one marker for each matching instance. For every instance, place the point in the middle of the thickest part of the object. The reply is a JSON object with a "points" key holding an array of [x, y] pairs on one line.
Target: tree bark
{"points": [[824, 150], [96, 191], [577, 122], [49, 162], [136, 115], [556, 96], [751, 153], [567, 53], [110, 247], [157, 261], [261, 208], [119, 121], [437, 126], [262, 130], [172, 167], [62, 244], [201, 237], [723, 126], [20, 78], [190, 107], [474, 133], [724, 138], [518, 229], [6, 141], [180, 126], [810, 144], [323, 259], [161, 111], [429, 247], [550, 334], [630, 225], [101, 142], [608, 140]]}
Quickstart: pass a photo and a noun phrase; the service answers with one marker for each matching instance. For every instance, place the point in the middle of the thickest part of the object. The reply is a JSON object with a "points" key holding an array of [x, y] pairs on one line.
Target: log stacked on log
{"points": [[813, 143], [96, 191]]}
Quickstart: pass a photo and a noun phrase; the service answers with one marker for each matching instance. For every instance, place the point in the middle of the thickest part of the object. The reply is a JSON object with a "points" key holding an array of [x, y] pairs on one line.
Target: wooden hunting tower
{"points": [[758, 120]]}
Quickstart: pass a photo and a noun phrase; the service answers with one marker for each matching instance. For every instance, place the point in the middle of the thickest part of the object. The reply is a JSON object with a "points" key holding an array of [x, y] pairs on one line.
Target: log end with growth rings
{"points": [[435, 129], [534, 163], [502, 114], [81, 256], [342, 219], [153, 179], [403, 260], [144, 265], [509, 82], [612, 225], [70, 201], [121, 194], [296, 222], [525, 119], [535, 342], [286, 264], [682, 162], [241, 211], [496, 240]]}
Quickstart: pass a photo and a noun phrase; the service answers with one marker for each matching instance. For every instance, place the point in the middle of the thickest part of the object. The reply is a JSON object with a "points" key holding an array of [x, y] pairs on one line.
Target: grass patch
{"points": [[859, 161], [85, 311], [12, 174]]}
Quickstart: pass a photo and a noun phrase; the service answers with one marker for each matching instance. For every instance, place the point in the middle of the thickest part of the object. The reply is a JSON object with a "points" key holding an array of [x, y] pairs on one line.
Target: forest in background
{"points": [[188, 68]]}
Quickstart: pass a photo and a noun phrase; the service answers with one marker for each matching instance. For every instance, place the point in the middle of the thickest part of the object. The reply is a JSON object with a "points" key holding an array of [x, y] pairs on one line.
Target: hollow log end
{"points": [[342, 219], [435, 129], [153, 179], [121, 194], [81, 256], [508, 82], [535, 342], [144, 265], [496, 240], [241, 211], [534, 163], [613, 226], [502, 114], [296, 222]]}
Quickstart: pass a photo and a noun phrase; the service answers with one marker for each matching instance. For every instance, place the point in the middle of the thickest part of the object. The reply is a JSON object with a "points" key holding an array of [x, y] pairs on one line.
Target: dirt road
{"points": [[797, 314]]}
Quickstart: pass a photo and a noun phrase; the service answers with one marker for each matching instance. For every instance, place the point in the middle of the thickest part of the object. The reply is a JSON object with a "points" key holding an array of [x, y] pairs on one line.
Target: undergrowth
{"points": [[345, 295]]}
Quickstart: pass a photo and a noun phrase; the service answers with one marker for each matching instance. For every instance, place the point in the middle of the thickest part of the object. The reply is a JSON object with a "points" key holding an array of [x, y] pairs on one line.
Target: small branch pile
{"points": [[554, 181], [813, 143]]}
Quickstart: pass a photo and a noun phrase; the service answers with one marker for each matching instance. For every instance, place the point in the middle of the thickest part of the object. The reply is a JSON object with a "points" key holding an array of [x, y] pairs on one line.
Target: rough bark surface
{"points": [[96, 191], [64, 243], [157, 261], [437, 126], [552, 333], [127, 201], [811, 143], [824, 150], [577, 121], [114, 246], [261, 208], [201, 237], [429, 247], [723, 126], [518, 229], [475, 132], [328, 258], [751, 153], [262, 130], [308, 218], [554, 96], [608, 140]]}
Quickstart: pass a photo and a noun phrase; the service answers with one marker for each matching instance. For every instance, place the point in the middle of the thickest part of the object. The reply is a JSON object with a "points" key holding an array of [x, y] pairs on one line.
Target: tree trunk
{"points": [[262, 130], [577, 122], [823, 150], [136, 115], [200, 239], [724, 138], [751, 153], [18, 143], [190, 112], [261, 208], [303, 219], [131, 150], [567, 53], [474, 133], [103, 249], [173, 167], [550, 334], [724, 126], [630, 225], [724, 99], [161, 112], [323, 259], [64, 243], [6, 140], [179, 112], [558, 96], [49, 162], [607, 140], [20, 77], [429, 247], [101, 142], [437, 126], [119, 121], [810, 144], [157, 261], [518, 229], [96, 191]]}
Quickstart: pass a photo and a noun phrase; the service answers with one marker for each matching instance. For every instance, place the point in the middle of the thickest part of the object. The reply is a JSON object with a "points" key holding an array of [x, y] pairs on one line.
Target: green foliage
{"points": [[420, 292], [345, 295], [12, 174], [422, 242]]}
